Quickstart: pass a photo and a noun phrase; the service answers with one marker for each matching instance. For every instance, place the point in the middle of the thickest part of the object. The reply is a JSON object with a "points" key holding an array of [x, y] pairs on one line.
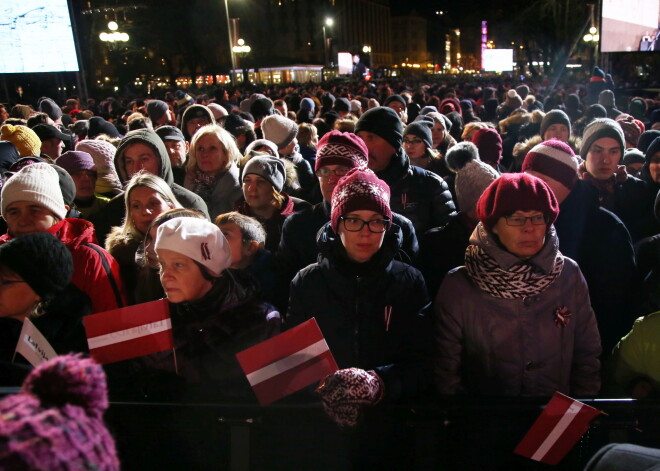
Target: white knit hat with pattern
{"points": [[198, 239], [38, 183]]}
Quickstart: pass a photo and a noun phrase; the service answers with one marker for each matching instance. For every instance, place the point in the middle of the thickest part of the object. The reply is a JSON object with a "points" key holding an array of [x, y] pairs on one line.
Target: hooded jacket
{"points": [[373, 315], [487, 345], [95, 272], [417, 194], [113, 214]]}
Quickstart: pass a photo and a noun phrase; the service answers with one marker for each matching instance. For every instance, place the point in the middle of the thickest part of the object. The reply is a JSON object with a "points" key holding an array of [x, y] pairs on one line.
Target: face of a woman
{"points": [[438, 133], [17, 298], [654, 167], [144, 205], [181, 277], [361, 245], [523, 241], [413, 146], [193, 125], [25, 217], [210, 154], [258, 191]]}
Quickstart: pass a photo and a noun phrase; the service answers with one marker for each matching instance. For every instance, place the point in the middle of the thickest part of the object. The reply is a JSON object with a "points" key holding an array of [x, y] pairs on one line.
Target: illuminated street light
{"points": [[113, 26], [328, 22]]}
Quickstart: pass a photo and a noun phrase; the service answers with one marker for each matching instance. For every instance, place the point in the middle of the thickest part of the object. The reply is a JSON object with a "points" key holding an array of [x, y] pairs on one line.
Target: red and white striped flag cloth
{"points": [[129, 332], [288, 362], [556, 430]]}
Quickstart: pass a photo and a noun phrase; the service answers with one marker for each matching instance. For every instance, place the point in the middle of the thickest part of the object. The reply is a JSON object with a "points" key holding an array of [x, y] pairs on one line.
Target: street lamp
{"points": [[242, 50], [328, 22]]}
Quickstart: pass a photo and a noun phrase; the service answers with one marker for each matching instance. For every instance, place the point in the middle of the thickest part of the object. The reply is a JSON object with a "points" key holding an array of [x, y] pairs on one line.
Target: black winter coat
{"points": [[420, 195], [208, 334], [373, 315]]}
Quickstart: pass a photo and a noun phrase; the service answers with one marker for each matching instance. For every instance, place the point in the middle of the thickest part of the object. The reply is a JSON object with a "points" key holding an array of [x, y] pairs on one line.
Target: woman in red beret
{"points": [[516, 319]]}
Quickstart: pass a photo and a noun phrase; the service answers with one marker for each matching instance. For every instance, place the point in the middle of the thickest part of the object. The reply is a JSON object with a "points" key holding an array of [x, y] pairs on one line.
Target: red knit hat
{"points": [[489, 143], [516, 192], [341, 148], [359, 190]]}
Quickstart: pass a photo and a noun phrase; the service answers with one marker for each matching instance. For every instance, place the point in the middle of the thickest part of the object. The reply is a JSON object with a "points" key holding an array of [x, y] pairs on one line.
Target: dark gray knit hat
{"points": [[156, 109], [421, 128], [598, 129], [48, 106], [554, 117], [267, 167]]}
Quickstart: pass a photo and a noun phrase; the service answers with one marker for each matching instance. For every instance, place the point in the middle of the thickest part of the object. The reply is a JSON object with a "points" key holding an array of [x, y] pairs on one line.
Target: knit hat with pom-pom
{"points": [[55, 422], [472, 175]]}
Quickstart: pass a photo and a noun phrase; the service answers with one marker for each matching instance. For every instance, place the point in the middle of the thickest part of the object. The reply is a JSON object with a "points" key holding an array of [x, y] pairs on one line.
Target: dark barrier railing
{"points": [[444, 435]]}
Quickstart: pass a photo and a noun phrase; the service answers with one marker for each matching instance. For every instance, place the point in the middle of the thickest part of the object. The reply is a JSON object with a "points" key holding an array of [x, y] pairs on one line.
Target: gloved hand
{"points": [[344, 393]]}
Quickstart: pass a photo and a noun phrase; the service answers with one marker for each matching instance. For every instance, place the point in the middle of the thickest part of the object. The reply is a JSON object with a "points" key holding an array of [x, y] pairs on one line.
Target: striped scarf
{"points": [[518, 281]]}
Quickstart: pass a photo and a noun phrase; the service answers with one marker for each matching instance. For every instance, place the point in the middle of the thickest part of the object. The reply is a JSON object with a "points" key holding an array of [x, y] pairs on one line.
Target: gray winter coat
{"points": [[488, 345]]}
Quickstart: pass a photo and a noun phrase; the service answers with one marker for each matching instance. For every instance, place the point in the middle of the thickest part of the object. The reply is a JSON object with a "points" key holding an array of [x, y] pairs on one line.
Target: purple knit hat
{"points": [[359, 190], [55, 422], [341, 148], [76, 161]]}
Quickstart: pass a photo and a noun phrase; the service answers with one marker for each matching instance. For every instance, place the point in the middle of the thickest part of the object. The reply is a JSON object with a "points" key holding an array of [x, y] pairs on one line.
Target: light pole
{"points": [[231, 52], [328, 22]]}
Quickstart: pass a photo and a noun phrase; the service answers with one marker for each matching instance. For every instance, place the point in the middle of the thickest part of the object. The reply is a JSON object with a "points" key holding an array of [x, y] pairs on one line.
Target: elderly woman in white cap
{"points": [[215, 314], [263, 181]]}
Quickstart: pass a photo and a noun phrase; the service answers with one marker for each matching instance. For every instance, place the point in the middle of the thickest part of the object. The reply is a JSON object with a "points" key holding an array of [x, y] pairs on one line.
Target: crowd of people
{"points": [[449, 240]]}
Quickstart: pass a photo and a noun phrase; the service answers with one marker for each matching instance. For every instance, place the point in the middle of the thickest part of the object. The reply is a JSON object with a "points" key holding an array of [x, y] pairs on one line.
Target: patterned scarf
{"points": [[204, 184], [518, 281]]}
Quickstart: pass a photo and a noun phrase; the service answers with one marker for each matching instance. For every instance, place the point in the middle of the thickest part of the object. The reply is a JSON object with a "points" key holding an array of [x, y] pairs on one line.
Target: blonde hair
{"points": [[307, 135], [153, 182], [472, 127], [227, 143]]}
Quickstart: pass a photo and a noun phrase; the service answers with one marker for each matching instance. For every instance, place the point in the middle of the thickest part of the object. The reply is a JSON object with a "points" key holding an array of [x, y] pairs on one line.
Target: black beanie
{"points": [[422, 129], [384, 122], [647, 138], [42, 260], [342, 104], [555, 117], [392, 98]]}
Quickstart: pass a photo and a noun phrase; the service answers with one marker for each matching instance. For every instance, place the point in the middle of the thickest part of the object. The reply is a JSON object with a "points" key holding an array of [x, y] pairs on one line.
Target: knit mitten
{"points": [[344, 393]]}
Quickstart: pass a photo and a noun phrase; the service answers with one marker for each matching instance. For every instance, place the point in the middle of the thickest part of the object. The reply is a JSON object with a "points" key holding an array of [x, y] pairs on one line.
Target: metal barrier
{"points": [[443, 435]]}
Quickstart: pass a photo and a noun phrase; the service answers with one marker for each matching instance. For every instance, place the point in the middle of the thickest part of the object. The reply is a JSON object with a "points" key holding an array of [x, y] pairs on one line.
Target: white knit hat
{"points": [[279, 130], [198, 239], [37, 183]]}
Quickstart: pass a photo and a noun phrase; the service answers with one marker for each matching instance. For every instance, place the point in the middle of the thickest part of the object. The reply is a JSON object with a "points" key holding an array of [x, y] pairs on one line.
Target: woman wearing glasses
{"points": [[370, 307], [516, 320]]}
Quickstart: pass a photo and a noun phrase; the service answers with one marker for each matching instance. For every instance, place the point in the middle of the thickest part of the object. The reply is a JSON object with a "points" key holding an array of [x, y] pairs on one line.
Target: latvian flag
{"points": [[288, 362], [557, 430], [129, 332]]}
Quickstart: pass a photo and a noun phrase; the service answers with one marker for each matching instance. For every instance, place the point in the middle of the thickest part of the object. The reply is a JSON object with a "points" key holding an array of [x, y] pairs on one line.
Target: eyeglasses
{"points": [[356, 224], [4, 283], [324, 172], [413, 142], [537, 220]]}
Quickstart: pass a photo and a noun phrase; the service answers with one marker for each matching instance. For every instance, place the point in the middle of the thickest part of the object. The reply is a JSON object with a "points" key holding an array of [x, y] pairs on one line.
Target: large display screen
{"points": [[630, 25], [36, 36], [497, 60]]}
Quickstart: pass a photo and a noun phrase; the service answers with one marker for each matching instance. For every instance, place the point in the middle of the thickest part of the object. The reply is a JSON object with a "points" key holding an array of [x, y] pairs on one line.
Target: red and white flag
{"points": [[129, 332], [33, 345], [288, 362], [556, 430]]}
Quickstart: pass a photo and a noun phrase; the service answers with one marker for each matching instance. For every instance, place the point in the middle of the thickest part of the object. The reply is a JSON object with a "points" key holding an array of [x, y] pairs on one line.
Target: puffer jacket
{"points": [[373, 315], [417, 194], [95, 271], [488, 345]]}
